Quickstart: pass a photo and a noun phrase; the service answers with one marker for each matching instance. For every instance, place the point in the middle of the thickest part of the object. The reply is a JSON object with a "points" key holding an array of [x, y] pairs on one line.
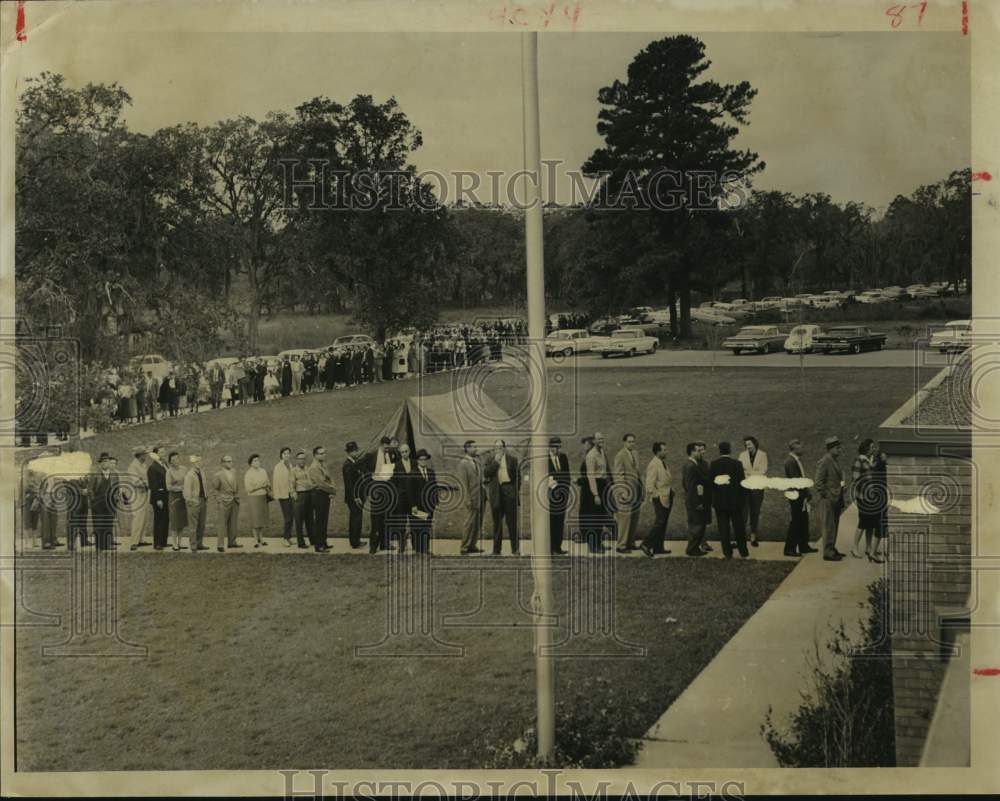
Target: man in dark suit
{"points": [[558, 494], [697, 498], [378, 468], [728, 498], [352, 483], [159, 498], [102, 488], [424, 491], [503, 482], [401, 518], [797, 538]]}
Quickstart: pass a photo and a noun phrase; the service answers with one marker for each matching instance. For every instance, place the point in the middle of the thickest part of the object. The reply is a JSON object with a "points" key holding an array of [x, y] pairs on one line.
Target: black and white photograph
{"points": [[592, 394]]}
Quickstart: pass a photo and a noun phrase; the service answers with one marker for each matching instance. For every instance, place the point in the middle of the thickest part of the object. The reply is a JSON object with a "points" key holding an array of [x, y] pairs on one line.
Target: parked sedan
{"points": [[352, 340], [152, 364], [711, 316], [772, 302], [568, 341], [628, 342], [850, 338], [800, 338], [870, 296], [956, 336], [756, 339]]}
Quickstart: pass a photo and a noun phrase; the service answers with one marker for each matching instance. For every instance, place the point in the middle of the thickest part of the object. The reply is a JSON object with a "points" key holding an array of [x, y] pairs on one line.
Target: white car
{"points": [[300, 352], [660, 317], [871, 296], [152, 364], [895, 293], [628, 342], [711, 316], [568, 341], [772, 302], [352, 340], [955, 335], [800, 338], [824, 302]]}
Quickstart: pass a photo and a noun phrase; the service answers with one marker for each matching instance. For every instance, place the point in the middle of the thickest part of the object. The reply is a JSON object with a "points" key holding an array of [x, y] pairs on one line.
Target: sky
{"points": [[860, 116]]}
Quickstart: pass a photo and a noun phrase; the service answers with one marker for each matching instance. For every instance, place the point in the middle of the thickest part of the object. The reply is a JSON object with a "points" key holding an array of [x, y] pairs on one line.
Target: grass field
{"points": [[251, 662], [672, 404]]}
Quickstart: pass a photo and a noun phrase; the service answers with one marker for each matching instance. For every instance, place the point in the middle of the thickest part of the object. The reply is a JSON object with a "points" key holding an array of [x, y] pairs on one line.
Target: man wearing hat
{"points": [[558, 494], [828, 488], [139, 505], [352, 483], [103, 488], [196, 500]]}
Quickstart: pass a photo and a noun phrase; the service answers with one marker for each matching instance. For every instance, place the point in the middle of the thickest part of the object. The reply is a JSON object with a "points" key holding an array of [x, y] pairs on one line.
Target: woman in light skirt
{"points": [[258, 488]]}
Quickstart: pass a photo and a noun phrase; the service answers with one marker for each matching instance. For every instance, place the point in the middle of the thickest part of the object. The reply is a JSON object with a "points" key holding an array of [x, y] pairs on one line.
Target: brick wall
{"points": [[929, 575]]}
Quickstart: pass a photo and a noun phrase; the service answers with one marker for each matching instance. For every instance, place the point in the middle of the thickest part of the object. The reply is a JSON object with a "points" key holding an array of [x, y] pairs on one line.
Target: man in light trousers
{"points": [[141, 512]]}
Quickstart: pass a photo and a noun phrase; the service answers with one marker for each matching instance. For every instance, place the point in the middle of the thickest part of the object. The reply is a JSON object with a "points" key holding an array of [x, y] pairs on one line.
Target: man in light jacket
{"points": [[284, 492], [470, 475], [628, 494], [196, 500], [828, 490], [754, 461], [227, 496], [661, 494]]}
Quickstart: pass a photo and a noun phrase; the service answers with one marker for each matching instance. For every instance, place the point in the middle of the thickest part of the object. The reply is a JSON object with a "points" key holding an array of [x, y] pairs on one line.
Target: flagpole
{"points": [[540, 547]]}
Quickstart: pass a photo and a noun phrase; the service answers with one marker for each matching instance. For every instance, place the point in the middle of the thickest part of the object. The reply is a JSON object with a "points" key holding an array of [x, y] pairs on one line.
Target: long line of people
{"points": [[160, 497], [135, 396]]}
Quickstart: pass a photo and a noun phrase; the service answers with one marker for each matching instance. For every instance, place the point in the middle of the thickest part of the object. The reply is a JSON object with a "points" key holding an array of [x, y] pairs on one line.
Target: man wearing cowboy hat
{"points": [[828, 488]]}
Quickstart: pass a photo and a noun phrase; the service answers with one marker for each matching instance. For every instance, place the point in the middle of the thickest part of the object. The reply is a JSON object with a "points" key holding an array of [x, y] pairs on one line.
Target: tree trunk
{"points": [[253, 321], [685, 330], [672, 306]]}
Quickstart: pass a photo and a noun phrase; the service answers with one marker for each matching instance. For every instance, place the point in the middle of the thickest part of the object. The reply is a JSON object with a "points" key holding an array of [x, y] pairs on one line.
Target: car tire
{"points": [[567, 352], [632, 352], [655, 346], [856, 348], [604, 355]]}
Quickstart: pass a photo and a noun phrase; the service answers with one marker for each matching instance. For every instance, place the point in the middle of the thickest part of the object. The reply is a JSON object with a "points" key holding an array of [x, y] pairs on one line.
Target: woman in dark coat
{"points": [[869, 491]]}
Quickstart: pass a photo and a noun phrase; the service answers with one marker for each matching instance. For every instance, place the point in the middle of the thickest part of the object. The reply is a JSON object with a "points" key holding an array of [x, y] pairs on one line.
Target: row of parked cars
{"points": [[953, 336]]}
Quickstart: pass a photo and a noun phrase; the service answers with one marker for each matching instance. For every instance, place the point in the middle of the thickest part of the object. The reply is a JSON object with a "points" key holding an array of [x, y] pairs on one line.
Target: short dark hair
{"points": [[351, 446], [299, 453], [252, 457], [864, 445], [658, 446], [468, 444], [630, 434], [725, 447], [383, 441], [691, 446], [171, 455], [750, 438], [282, 451]]}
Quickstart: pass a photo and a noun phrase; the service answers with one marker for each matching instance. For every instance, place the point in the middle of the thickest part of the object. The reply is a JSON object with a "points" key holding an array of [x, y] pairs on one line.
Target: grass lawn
{"points": [[672, 404], [251, 662]]}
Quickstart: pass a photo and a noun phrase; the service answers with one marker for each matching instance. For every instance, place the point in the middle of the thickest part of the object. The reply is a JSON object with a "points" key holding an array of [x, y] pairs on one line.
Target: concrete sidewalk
{"points": [[715, 723]]}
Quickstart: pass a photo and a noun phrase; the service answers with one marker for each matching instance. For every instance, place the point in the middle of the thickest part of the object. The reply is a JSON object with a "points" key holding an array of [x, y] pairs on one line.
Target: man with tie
{"points": [[303, 487], [423, 500], [598, 485], [102, 491], [284, 492], [797, 538], [628, 494], [558, 492], [227, 496], [697, 497], [404, 490], [661, 494], [139, 503], [355, 505], [323, 491], [197, 504], [379, 469], [728, 501], [470, 476], [159, 498], [829, 489], [502, 488]]}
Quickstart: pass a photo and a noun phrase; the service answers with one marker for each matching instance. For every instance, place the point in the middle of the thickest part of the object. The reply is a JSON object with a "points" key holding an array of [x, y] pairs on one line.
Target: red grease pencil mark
{"points": [[982, 176], [965, 17], [19, 28], [987, 671]]}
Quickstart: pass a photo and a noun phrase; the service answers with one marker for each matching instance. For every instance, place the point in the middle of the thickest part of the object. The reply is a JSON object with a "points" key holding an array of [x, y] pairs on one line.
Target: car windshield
{"points": [[845, 330], [754, 329]]}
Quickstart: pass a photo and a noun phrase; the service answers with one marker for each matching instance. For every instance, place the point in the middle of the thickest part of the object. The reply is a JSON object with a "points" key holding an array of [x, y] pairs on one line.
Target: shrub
{"points": [[846, 720], [595, 728]]}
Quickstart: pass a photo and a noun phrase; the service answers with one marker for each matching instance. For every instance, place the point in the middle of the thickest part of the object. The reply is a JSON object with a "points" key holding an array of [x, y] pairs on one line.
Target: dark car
{"points": [[849, 338]]}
